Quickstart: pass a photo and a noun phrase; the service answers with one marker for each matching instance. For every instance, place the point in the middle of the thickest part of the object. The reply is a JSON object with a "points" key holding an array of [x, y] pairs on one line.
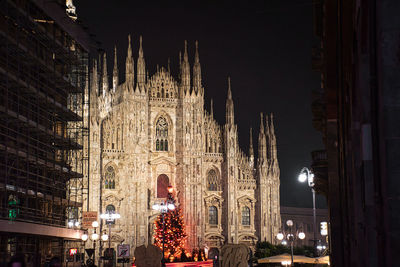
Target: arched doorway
{"points": [[162, 186]]}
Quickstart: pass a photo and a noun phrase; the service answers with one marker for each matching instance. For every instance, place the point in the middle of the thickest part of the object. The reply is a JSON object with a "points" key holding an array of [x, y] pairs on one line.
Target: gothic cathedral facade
{"points": [[153, 131]]}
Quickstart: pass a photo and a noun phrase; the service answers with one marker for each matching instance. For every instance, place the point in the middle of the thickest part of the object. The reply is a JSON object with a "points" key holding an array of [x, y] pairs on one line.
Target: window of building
{"points": [[245, 216], [111, 210], [213, 215], [212, 181], [161, 134], [109, 179], [162, 186]]}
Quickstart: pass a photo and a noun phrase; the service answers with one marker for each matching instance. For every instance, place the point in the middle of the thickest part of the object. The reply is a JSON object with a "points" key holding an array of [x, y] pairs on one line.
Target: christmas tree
{"points": [[173, 234]]}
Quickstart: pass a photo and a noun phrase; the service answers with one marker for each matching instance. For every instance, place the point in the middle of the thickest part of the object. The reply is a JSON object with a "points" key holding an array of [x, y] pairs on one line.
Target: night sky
{"points": [[265, 47]]}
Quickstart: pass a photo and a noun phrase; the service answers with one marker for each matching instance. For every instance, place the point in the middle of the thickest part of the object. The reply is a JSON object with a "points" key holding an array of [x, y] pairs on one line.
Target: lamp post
{"points": [[307, 175], [289, 236], [110, 218], [94, 237], [164, 207]]}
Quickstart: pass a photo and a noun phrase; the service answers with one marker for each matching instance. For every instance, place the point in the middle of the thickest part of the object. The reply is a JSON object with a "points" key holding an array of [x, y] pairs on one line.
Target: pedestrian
{"points": [[55, 262], [17, 261]]}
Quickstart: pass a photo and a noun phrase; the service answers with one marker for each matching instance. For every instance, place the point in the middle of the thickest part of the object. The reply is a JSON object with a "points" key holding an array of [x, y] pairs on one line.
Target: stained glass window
{"points": [[213, 215], [162, 134], [245, 216]]}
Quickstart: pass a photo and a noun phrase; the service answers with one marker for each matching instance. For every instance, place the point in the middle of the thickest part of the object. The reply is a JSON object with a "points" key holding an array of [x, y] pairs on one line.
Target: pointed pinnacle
{"points": [[185, 53], [129, 47], [229, 88], [140, 47], [272, 128], [115, 57], [169, 65], [212, 108], [251, 152], [104, 64], [196, 57], [261, 123]]}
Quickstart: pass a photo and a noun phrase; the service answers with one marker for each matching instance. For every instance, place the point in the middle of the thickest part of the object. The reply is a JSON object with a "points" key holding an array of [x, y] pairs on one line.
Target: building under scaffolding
{"points": [[44, 57]]}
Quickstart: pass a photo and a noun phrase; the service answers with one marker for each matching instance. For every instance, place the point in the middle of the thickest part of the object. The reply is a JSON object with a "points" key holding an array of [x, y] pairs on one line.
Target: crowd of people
{"points": [[19, 261]]}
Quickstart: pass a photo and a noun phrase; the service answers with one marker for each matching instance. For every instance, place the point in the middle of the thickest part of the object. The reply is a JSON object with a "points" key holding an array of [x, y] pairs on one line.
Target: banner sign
{"points": [[87, 218]]}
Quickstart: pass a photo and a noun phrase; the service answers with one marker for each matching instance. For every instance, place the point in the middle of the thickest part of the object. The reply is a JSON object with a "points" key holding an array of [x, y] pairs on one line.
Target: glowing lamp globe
{"points": [[289, 223], [95, 236], [104, 237], [84, 237], [302, 235], [171, 206], [95, 224], [279, 236], [302, 177]]}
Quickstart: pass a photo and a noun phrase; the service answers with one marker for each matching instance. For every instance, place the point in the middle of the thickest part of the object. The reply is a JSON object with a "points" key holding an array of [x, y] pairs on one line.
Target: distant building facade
{"points": [[303, 220], [152, 131]]}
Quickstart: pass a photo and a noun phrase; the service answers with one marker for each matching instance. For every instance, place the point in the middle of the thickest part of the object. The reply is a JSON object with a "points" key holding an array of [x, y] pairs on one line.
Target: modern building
{"points": [[43, 72], [303, 220], [151, 131], [357, 110]]}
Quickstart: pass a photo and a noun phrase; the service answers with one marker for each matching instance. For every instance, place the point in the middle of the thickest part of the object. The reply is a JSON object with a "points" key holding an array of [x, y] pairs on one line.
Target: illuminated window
{"points": [[213, 215], [109, 179], [245, 216], [161, 134], [212, 181], [111, 210]]}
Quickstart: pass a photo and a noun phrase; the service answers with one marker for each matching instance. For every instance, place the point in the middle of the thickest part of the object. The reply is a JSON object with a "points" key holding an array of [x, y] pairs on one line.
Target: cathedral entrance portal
{"points": [[162, 186]]}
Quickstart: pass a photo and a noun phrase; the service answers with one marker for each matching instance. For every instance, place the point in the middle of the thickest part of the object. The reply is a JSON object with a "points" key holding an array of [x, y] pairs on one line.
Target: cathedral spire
{"points": [[212, 108], [129, 70], [115, 71], [185, 75], [262, 146], [251, 150], [272, 139], [273, 158], [95, 80], [229, 89], [197, 70], [230, 119], [141, 67], [105, 75]]}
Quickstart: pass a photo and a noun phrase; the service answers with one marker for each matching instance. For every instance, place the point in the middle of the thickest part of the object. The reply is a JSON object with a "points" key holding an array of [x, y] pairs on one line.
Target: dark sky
{"points": [[265, 47]]}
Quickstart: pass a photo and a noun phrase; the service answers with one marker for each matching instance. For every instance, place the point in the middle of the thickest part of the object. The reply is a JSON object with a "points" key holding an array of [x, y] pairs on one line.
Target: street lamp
{"points": [[110, 217], [164, 207], [307, 175], [94, 237], [290, 237], [73, 223]]}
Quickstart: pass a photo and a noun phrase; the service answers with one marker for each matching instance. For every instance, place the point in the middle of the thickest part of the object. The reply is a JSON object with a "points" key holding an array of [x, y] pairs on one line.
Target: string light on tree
{"points": [[170, 228]]}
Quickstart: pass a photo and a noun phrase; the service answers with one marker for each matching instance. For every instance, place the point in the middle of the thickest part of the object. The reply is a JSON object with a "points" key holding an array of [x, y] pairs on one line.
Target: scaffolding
{"points": [[43, 76]]}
